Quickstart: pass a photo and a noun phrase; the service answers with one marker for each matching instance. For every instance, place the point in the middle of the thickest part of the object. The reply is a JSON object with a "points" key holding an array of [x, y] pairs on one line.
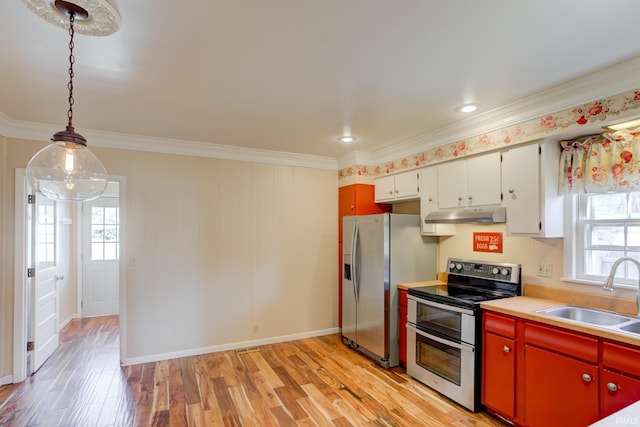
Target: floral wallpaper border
{"points": [[575, 118]]}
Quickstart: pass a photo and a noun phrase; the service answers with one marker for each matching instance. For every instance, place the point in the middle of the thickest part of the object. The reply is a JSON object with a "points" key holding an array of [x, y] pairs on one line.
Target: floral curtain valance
{"points": [[602, 163]]}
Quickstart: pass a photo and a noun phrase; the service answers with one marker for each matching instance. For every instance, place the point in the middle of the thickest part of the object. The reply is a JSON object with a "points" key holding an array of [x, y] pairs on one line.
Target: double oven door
{"points": [[441, 349]]}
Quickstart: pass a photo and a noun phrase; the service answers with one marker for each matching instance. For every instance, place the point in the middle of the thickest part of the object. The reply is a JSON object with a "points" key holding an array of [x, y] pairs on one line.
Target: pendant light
{"points": [[66, 169]]}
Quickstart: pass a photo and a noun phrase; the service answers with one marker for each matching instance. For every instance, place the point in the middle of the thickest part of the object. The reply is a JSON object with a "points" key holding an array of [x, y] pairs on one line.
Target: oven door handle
{"points": [[440, 340], [441, 306]]}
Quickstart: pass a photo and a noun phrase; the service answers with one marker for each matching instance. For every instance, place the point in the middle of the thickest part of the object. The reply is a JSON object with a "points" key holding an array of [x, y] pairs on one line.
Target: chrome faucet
{"points": [[608, 283]]}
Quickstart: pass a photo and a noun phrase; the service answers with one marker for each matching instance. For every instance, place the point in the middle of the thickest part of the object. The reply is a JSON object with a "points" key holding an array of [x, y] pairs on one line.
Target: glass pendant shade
{"points": [[67, 171]]}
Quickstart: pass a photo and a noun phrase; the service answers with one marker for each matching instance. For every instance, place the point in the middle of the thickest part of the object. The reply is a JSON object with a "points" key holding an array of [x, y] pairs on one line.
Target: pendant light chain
{"points": [[71, 74]]}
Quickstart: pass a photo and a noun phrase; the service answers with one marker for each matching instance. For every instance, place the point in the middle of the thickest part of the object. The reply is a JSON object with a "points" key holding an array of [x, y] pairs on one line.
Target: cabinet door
{"points": [[521, 189], [429, 203], [617, 391], [483, 180], [452, 182], [402, 323], [559, 390], [499, 370], [385, 188], [407, 185]]}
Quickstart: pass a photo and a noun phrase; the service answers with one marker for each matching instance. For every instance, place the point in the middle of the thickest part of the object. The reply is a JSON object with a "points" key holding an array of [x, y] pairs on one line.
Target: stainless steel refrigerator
{"points": [[380, 251]]}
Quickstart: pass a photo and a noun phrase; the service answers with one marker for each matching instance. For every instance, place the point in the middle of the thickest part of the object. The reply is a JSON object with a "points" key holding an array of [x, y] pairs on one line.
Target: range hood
{"points": [[460, 216]]}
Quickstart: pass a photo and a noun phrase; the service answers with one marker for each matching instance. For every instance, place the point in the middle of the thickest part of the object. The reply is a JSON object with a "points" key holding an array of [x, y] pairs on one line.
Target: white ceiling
{"points": [[293, 75]]}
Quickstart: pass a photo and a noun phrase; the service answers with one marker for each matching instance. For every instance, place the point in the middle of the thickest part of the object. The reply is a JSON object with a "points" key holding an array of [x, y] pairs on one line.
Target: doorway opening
{"points": [[68, 244]]}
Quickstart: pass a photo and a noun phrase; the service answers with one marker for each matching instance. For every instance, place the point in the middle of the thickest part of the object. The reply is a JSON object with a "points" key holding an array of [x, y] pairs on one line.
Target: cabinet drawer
{"points": [[621, 358], [557, 340], [498, 324]]}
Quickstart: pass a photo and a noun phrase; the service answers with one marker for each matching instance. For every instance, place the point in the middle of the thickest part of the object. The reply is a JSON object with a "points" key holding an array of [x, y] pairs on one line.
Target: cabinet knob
{"points": [[586, 378], [512, 190], [612, 386], [506, 349], [459, 199], [352, 207], [397, 191], [470, 197], [59, 277], [390, 192], [430, 199]]}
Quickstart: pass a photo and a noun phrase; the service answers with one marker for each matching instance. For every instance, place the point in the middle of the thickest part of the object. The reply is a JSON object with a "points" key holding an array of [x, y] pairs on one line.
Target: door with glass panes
{"points": [[101, 253]]}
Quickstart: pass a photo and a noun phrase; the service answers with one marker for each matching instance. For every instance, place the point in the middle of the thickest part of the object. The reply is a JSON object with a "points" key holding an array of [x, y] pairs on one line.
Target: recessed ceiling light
{"points": [[347, 139], [467, 108]]}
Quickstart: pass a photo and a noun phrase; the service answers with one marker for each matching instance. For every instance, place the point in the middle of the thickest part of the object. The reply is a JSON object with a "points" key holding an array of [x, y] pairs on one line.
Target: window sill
{"points": [[574, 281]]}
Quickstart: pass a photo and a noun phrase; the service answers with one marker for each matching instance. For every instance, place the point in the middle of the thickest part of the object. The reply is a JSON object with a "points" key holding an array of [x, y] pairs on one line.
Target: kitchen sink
{"points": [[631, 327], [587, 315]]}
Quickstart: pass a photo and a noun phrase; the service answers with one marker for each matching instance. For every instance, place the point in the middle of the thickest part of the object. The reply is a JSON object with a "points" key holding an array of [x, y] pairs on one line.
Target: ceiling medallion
{"points": [[101, 19]]}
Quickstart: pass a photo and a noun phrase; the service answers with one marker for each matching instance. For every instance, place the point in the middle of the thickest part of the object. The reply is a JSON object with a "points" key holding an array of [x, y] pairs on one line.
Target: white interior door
{"points": [[101, 254], [43, 321]]}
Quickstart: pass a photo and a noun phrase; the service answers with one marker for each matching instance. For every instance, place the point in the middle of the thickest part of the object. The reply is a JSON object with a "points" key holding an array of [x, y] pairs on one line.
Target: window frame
{"points": [[576, 246]]}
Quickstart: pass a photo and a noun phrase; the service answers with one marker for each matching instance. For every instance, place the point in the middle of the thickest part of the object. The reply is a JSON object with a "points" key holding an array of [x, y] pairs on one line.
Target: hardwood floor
{"points": [[308, 382]]}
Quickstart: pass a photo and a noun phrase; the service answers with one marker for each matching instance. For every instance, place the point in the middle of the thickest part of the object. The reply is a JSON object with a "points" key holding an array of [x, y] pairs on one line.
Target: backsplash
{"points": [[520, 250]]}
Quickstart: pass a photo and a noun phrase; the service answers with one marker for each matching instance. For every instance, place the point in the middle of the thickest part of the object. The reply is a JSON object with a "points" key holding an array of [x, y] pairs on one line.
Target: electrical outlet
{"points": [[545, 270]]}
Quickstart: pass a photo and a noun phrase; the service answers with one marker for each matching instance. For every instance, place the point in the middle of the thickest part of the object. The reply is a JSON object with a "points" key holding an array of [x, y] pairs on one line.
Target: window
{"points": [[607, 228], [105, 233], [46, 234]]}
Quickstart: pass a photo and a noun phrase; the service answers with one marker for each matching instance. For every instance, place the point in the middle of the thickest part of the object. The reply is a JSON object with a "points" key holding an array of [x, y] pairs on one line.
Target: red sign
{"points": [[487, 242]]}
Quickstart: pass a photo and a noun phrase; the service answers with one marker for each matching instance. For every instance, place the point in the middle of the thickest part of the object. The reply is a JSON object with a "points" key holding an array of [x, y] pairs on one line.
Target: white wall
{"points": [[221, 248], [224, 248]]}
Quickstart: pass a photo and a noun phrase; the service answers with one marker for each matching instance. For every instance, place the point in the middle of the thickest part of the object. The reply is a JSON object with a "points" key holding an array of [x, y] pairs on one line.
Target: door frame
{"points": [[121, 261], [20, 277], [20, 283]]}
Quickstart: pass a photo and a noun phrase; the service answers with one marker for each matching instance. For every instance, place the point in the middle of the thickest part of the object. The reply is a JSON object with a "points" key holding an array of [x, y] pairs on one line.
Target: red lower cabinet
{"points": [[617, 391], [559, 390], [620, 379], [402, 324], [539, 375], [500, 365]]}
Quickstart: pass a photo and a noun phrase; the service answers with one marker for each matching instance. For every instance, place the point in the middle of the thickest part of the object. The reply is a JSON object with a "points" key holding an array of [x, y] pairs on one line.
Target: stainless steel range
{"points": [[444, 326]]}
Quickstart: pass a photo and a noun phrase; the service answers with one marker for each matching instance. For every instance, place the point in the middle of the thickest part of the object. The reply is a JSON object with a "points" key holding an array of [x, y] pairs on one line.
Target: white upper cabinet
{"points": [[530, 190], [469, 182], [393, 188], [429, 203]]}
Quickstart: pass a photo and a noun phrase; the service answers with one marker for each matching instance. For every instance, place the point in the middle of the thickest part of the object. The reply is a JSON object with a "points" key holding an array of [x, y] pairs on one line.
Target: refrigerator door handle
{"points": [[354, 262]]}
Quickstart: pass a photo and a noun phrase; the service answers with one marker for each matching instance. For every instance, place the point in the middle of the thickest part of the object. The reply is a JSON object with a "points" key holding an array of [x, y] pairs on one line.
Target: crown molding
{"points": [[619, 78], [610, 81], [42, 132]]}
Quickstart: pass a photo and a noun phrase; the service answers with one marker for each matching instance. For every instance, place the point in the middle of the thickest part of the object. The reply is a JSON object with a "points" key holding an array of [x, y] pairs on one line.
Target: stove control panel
{"points": [[485, 270]]}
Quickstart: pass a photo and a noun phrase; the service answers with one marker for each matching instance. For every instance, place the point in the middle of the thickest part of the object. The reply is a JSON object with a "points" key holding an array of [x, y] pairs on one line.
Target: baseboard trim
{"points": [[224, 347], [6, 380], [66, 321]]}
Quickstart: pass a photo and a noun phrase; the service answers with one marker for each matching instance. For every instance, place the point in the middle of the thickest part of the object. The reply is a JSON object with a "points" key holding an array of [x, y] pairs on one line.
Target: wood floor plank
{"points": [[309, 382]]}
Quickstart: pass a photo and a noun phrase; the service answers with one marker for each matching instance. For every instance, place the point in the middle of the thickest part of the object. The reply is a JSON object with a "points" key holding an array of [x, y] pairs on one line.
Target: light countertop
{"points": [[420, 284], [526, 307]]}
